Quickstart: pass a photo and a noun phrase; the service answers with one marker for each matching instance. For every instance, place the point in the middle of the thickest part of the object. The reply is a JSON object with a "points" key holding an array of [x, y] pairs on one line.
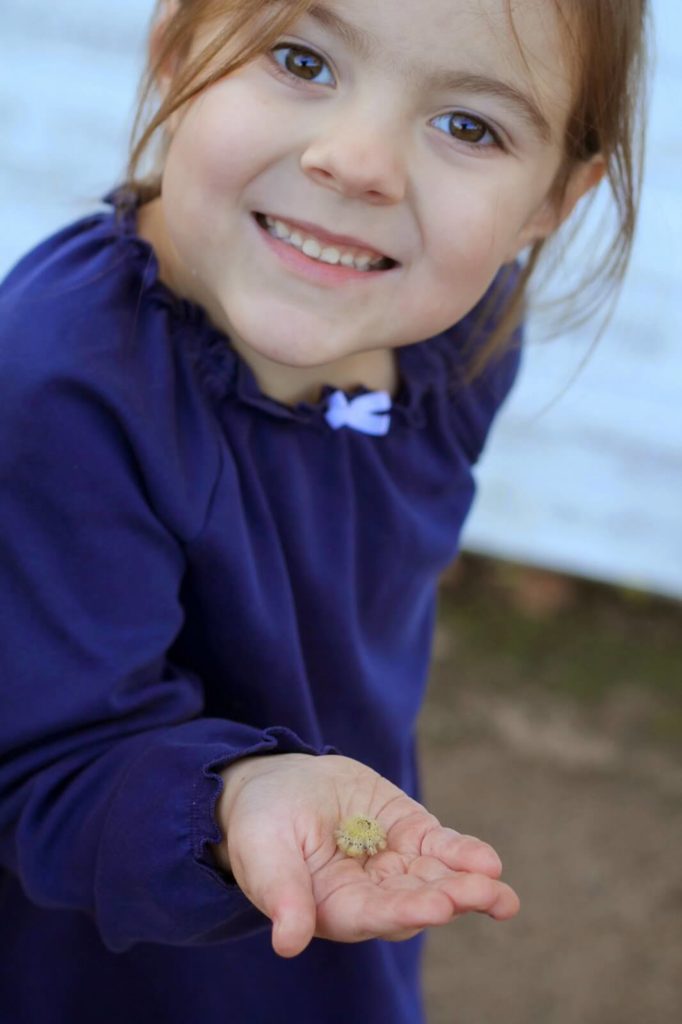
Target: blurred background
{"points": [[553, 725]]}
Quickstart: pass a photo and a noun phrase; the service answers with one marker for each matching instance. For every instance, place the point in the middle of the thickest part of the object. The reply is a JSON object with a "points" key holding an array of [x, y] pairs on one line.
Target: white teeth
{"points": [[317, 251], [330, 255], [312, 248]]}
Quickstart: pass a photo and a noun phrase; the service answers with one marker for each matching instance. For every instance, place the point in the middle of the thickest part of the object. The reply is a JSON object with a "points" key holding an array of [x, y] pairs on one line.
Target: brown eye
{"points": [[470, 130], [300, 63], [467, 129]]}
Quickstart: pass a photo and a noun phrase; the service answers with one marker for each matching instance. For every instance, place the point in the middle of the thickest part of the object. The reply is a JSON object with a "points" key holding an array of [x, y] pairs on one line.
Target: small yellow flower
{"points": [[359, 836]]}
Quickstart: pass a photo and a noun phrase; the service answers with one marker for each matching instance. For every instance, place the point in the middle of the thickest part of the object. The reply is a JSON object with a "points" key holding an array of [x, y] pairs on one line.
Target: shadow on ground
{"points": [[553, 729]]}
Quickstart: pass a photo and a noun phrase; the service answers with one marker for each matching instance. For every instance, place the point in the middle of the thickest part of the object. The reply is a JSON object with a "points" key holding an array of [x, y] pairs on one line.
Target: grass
{"points": [[512, 628]]}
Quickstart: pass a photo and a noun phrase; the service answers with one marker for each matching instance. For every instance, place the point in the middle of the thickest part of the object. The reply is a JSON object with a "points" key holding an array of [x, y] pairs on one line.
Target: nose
{"points": [[359, 159]]}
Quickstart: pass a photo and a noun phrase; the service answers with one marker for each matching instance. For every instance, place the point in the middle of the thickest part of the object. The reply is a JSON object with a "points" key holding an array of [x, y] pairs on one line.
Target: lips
{"points": [[325, 247]]}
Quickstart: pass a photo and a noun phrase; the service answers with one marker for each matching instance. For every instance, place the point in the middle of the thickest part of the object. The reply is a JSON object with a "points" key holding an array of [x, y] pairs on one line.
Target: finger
{"points": [[506, 906], [466, 891], [355, 914], [281, 887], [402, 936], [461, 853], [470, 892]]}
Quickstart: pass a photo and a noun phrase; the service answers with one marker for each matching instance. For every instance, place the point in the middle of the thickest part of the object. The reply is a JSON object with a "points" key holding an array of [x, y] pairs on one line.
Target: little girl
{"points": [[240, 413]]}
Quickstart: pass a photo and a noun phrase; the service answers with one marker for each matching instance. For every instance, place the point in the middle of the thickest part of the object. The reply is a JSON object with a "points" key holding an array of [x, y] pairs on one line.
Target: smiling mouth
{"points": [[321, 251]]}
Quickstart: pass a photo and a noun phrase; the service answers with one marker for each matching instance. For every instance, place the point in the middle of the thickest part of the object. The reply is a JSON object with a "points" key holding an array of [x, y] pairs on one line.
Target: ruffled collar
{"points": [[423, 366]]}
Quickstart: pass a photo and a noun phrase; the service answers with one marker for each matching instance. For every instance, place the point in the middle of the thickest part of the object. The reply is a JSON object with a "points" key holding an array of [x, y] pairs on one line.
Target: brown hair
{"points": [[608, 44], [257, 23], [608, 41]]}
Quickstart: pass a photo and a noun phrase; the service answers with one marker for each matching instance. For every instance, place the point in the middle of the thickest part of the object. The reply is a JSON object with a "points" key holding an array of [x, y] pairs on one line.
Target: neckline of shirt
{"points": [[423, 366]]}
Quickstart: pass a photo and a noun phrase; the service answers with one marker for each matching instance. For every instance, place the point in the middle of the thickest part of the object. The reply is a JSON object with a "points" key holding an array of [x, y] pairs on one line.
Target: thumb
{"points": [[278, 882]]}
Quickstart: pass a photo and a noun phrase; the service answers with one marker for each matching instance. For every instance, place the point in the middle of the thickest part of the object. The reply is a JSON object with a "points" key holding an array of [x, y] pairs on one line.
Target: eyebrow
{"points": [[364, 44]]}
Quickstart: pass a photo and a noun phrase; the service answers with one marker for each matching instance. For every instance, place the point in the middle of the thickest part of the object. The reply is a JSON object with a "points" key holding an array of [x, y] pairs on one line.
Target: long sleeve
{"points": [[107, 767], [190, 572]]}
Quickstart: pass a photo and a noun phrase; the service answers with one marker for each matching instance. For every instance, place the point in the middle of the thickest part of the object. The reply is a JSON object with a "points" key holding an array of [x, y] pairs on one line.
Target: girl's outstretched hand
{"points": [[279, 814]]}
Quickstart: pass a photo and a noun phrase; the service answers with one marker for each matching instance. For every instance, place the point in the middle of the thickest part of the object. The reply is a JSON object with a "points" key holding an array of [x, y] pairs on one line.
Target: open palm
{"points": [[280, 823]]}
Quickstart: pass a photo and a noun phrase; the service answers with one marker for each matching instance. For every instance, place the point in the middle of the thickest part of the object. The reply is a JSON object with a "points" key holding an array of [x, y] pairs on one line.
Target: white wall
{"points": [[592, 485], [68, 77]]}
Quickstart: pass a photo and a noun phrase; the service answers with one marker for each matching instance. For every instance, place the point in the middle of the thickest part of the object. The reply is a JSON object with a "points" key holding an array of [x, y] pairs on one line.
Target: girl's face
{"points": [[419, 137]]}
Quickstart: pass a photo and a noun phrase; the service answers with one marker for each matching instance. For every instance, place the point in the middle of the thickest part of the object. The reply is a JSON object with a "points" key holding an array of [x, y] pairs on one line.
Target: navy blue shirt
{"points": [[191, 571]]}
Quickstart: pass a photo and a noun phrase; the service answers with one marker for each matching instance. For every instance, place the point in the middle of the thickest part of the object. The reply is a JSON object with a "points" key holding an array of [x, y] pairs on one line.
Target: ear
{"points": [[584, 176]]}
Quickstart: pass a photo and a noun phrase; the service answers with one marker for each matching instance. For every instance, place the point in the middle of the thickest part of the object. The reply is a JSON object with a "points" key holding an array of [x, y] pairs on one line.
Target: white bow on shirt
{"points": [[370, 413]]}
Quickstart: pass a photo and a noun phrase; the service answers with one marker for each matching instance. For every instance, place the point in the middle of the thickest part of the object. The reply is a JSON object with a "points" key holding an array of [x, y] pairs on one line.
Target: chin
{"points": [[299, 345], [283, 352]]}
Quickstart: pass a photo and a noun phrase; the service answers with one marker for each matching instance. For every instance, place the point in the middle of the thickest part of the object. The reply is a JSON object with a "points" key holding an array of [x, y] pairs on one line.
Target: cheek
{"points": [[473, 228], [470, 230], [226, 137], [463, 255]]}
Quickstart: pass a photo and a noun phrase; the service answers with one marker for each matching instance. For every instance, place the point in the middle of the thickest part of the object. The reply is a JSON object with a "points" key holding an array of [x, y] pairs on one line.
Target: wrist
{"points": [[235, 776]]}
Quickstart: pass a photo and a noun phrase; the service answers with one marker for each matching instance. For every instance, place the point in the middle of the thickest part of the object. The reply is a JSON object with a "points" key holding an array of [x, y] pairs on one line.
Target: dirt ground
{"points": [[553, 729]]}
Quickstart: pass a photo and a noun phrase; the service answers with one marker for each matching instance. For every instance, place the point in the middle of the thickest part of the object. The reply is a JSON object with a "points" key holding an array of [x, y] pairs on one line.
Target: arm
{"points": [[109, 773]]}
